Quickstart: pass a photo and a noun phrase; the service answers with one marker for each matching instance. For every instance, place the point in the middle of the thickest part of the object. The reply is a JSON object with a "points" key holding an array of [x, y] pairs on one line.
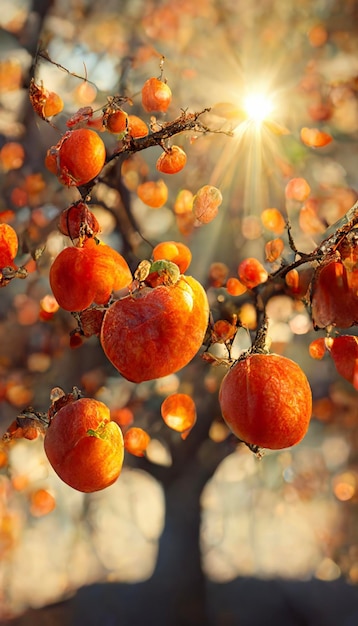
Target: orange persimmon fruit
{"points": [[83, 445], [315, 138], [156, 331], [297, 189], [8, 245], [136, 441], [206, 203], [171, 161], [179, 412], [273, 220], [137, 127], [234, 287], [266, 401], [116, 122], [333, 301], [274, 249], [78, 157], [153, 193], [80, 276], [317, 348], [156, 95], [12, 156], [344, 352], [252, 273], [78, 221], [174, 251]]}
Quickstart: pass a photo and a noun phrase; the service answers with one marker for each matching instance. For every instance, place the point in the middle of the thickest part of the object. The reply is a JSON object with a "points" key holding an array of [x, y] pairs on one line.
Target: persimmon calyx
{"points": [[162, 272], [101, 432]]}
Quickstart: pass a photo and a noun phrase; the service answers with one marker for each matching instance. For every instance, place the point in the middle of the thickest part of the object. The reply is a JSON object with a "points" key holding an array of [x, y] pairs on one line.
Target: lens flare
{"points": [[258, 106]]}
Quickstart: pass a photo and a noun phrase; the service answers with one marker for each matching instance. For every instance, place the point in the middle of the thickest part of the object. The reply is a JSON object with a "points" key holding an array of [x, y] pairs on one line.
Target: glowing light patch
{"points": [[258, 106]]}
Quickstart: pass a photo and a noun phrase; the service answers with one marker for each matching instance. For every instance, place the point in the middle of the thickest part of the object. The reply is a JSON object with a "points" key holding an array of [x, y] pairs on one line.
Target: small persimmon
{"points": [[252, 273], [12, 156], [45, 103], [333, 301], [53, 105], [315, 138], [179, 413], [234, 287], [83, 445], [344, 352], [274, 249], [171, 161], [174, 251], [317, 348], [80, 276], [297, 189], [156, 95], [8, 245], [153, 193], [136, 441], [137, 127], [157, 330], [117, 121], [266, 401], [77, 158], [273, 220], [77, 222], [206, 203]]}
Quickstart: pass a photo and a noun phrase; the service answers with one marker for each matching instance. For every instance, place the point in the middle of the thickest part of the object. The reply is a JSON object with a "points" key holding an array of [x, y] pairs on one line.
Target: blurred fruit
{"points": [[153, 193]]}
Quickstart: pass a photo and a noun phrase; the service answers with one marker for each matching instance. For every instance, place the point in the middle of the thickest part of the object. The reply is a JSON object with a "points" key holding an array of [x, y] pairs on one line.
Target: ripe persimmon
{"points": [[206, 203], [153, 193], [136, 441], [78, 157], [77, 222], [116, 122], [156, 95], [137, 127], [344, 352], [179, 413], [80, 276], [171, 161], [333, 301], [156, 331], [174, 251], [251, 272], [266, 401], [8, 245], [83, 445]]}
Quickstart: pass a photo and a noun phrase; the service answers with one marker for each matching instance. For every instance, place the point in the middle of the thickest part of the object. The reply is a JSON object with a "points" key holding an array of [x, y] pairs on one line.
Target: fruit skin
{"points": [[333, 301], [8, 245], [80, 276], [85, 461], [171, 161], [344, 352], [156, 95], [156, 331], [266, 401], [78, 157]]}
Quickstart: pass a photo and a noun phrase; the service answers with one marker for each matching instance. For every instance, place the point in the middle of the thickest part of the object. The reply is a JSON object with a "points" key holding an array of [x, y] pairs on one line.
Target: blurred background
{"points": [[199, 531]]}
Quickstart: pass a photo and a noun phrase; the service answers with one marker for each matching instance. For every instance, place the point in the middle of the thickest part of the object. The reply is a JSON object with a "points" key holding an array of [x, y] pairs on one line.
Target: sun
{"points": [[258, 106]]}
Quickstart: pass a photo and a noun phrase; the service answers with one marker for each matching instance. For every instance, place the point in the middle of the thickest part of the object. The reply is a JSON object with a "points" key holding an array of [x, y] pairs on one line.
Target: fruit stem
{"points": [[100, 432], [259, 345]]}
